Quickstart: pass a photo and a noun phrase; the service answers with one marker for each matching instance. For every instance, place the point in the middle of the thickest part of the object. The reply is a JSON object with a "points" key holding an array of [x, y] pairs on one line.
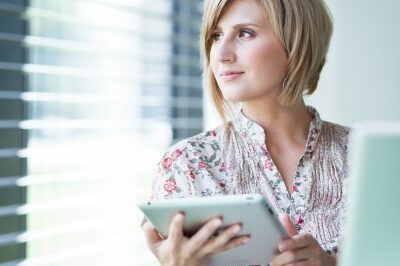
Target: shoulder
{"points": [[333, 145], [185, 161], [335, 134], [204, 142], [196, 148]]}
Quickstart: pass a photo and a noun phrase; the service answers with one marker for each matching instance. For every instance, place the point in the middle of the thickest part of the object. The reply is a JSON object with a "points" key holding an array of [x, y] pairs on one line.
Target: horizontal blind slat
{"points": [[183, 81], [28, 236], [60, 112], [6, 7], [4, 153], [188, 122], [80, 202], [9, 181], [92, 48], [112, 247], [9, 123], [64, 177], [191, 102]]}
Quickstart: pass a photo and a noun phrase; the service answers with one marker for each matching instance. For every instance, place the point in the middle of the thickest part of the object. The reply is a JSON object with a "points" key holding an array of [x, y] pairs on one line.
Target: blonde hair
{"points": [[304, 29]]}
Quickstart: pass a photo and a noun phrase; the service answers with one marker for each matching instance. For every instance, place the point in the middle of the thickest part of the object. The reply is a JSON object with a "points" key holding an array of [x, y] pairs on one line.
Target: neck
{"points": [[280, 122]]}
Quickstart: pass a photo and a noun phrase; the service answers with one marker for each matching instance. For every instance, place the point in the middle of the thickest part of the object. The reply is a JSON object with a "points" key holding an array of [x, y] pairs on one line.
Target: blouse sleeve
{"points": [[171, 180]]}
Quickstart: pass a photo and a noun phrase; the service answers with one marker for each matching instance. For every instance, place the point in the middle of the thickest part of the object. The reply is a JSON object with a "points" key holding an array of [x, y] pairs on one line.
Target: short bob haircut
{"points": [[304, 28]]}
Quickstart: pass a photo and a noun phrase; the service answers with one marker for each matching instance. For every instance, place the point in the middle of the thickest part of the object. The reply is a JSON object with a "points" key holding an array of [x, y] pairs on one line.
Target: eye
{"points": [[245, 33], [216, 36]]}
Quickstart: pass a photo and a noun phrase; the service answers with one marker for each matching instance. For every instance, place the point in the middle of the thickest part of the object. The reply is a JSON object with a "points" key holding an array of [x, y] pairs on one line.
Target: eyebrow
{"points": [[240, 26]]}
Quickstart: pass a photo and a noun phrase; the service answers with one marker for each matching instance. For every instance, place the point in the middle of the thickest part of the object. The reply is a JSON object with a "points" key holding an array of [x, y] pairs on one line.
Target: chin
{"points": [[236, 98], [237, 95]]}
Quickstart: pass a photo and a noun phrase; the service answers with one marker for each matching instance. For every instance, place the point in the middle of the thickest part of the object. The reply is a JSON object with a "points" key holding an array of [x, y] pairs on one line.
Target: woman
{"points": [[263, 54]]}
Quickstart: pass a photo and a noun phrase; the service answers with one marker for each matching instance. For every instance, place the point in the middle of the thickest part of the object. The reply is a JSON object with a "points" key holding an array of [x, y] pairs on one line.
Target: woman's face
{"points": [[247, 59]]}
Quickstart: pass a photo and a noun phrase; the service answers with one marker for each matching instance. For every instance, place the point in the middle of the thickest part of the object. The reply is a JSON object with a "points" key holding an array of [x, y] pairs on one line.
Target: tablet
{"points": [[370, 234], [251, 210]]}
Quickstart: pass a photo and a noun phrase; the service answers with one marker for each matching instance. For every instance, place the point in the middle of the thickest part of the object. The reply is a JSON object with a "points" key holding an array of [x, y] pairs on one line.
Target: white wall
{"points": [[361, 79]]}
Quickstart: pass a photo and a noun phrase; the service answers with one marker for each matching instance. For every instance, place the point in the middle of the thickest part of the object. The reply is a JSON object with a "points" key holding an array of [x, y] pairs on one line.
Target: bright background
{"points": [[360, 80], [92, 92]]}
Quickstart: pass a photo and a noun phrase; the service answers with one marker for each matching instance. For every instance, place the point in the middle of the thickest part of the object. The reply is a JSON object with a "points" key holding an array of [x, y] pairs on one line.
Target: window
{"points": [[91, 94]]}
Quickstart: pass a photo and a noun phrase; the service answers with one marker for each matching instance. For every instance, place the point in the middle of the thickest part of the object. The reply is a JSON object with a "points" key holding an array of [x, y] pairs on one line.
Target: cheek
{"points": [[212, 62], [270, 61], [269, 57]]}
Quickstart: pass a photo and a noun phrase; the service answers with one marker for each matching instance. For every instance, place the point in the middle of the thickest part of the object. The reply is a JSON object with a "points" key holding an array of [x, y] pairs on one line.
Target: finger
{"points": [[143, 221], [221, 240], [297, 241], [301, 263], [293, 256], [287, 223], [235, 242], [203, 235], [175, 231], [152, 235]]}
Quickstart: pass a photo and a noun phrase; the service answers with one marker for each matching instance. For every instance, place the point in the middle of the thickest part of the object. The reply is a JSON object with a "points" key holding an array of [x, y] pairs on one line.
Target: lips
{"points": [[230, 75]]}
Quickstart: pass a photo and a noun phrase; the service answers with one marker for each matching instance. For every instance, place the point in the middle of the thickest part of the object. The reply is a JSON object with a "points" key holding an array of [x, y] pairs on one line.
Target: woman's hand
{"points": [[301, 250], [178, 250]]}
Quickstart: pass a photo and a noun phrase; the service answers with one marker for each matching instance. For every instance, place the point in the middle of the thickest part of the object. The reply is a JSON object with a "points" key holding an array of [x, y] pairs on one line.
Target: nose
{"points": [[225, 51]]}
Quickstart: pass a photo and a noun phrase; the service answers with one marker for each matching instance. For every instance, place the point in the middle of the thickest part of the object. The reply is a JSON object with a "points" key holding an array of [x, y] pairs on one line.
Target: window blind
{"points": [[91, 93]]}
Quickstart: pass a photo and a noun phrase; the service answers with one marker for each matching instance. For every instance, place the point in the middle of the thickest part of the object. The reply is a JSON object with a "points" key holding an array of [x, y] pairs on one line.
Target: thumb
{"points": [[152, 235], [287, 223]]}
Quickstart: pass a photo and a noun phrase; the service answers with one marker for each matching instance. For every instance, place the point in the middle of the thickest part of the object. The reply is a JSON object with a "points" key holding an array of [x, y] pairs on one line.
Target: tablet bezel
{"points": [[251, 210]]}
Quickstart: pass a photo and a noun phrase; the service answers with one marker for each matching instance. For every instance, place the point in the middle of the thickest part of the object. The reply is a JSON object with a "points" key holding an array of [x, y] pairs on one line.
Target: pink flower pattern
{"points": [[176, 153], [192, 175], [201, 165], [167, 162], [212, 133], [196, 167], [268, 164], [170, 185], [222, 168]]}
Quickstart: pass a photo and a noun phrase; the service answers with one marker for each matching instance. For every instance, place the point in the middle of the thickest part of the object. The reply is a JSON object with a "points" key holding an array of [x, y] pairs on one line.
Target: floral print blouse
{"points": [[233, 159]]}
